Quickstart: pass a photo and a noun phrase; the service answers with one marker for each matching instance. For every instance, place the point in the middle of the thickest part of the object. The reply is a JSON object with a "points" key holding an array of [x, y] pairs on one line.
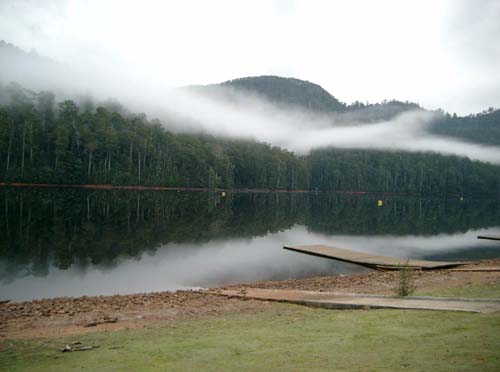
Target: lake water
{"points": [[68, 242]]}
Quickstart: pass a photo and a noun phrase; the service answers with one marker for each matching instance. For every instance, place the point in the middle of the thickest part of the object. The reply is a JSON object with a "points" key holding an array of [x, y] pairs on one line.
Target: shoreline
{"points": [[66, 316], [198, 189], [108, 187]]}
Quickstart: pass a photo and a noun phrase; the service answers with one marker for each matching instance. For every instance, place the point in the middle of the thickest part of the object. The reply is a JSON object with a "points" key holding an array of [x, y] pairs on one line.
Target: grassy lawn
{"points": [[283, 338], [468, 290]]}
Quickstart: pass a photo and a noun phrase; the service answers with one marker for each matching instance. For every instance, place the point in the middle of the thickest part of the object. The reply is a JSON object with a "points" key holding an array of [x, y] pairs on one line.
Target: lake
{"points": [[72, 242]]}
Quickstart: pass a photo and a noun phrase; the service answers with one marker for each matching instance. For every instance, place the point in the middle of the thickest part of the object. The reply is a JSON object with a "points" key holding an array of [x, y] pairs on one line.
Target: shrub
{"points": [[406, 285]]}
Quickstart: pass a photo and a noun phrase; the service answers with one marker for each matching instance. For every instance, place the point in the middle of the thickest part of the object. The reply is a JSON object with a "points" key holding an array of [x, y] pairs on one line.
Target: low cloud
{"points": [[301, 131], [225, 111]]}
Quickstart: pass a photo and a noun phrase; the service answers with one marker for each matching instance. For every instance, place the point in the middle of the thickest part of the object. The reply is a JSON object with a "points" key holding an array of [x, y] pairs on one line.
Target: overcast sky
{"points": [[438, 53]]}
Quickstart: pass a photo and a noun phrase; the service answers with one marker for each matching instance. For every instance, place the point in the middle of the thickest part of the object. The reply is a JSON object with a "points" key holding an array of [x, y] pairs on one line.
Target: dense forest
{"points": [[483, 127], [422, 173], [42, 141], [76, 227]]}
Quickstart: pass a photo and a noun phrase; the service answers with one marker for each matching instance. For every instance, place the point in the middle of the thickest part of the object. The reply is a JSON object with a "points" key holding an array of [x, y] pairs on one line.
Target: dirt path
{"points": [[336, 300], [72, 316]]}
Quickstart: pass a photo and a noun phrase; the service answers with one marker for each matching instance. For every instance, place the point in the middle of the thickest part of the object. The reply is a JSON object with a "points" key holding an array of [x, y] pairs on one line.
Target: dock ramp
{"points": [[370, 260]]}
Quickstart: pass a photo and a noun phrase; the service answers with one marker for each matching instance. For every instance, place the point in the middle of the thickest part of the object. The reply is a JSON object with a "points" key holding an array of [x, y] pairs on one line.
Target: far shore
{"points": [[207, 189]]}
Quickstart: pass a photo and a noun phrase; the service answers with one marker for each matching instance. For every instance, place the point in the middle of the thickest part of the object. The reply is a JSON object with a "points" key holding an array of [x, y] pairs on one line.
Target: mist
{"points": [[301, 131], [226, 112]]}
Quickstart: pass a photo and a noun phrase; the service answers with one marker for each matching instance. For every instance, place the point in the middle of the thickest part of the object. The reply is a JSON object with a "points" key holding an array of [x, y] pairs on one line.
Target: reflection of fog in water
{"points": [[220, 262], [182, 266], [410, 246]]}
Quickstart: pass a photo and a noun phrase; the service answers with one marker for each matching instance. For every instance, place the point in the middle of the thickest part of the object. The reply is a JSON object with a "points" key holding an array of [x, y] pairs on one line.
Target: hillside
{"points": [[31, 70], [312, 97], [289, 91], [45, 142], [479, 128]]}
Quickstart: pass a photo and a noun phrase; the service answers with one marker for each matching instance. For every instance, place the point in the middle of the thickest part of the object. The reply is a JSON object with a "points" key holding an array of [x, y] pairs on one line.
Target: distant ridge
{"points": [[289, 91], [306, 95], [481, 128], [32, 70]]}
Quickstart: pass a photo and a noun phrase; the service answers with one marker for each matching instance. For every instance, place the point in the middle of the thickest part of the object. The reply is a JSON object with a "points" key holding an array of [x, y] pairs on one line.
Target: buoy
{"points": [[380, 203], [223, 194], [461, 198]]}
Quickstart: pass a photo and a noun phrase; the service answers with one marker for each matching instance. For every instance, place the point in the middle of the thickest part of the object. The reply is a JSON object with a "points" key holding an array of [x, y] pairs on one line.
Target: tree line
{"points": [[42, 141], [483, 127]]}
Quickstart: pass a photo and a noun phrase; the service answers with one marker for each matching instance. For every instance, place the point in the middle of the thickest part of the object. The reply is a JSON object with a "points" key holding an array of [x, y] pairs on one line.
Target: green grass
{"points": [[284, 338], [467, 291]]}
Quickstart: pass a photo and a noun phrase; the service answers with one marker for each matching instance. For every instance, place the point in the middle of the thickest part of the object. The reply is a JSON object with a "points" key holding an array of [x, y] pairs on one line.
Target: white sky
{"points": [[438, 53]]}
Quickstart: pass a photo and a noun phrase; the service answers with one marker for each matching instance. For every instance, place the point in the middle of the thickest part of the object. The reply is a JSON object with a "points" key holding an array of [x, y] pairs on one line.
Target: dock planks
{"points": [[489, 237], [369, 260]]}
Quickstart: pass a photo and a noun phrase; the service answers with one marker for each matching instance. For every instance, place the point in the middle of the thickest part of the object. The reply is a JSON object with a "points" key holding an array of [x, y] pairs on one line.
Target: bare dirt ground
{"points": [[385, 282], [61, 317]]}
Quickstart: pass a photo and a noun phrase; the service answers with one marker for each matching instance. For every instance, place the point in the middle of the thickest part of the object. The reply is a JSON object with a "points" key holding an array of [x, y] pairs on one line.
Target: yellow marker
{"points": [[380, 203]]}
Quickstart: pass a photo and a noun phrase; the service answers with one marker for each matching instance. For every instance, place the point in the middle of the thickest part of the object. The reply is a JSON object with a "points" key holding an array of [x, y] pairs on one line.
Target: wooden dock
{"points": [[489, 237], [370, 260]]}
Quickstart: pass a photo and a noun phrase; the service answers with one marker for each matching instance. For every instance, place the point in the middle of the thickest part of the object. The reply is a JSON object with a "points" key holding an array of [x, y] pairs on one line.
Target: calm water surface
{"points": [[80, 242]]}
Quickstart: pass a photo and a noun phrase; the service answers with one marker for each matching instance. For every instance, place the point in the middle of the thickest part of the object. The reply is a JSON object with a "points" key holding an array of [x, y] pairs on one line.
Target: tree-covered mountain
{"points": [[302, 94], [288, 91], [63, 143], [45, 141], [31, 69], [483, 127]]}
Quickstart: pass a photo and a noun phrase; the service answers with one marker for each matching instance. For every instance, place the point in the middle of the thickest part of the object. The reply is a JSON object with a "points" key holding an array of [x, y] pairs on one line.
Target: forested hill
{"points": [[289, 91], [312, 97], [42, 141], [480, 128]]}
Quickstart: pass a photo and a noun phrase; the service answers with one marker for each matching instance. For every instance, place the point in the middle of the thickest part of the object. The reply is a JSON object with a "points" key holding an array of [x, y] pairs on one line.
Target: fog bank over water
{"points": [[412, 246]]}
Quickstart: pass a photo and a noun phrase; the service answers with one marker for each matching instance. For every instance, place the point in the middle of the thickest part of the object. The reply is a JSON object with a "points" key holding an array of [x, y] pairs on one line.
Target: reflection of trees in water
{"points": [[81, 227], [334, 214]]}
